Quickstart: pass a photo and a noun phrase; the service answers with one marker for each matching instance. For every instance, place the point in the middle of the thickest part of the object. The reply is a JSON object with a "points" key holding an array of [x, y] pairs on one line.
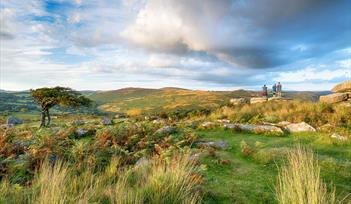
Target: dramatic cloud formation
{"points": [[202, 44]]}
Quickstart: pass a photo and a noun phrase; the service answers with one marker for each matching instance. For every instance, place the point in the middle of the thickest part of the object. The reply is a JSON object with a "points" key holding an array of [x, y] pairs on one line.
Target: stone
{"points": [[142, 162], [223, 121], [106, 121], [5, 126], [208, 124], [214, 144], [118, 116], [165, 130], [278, 98], [300, 127], [13, 121], [342, 87], [338, 137], [78, 122], [81, 132], [239, 101], [284, 123], [334, 98], [158, 121], [255, 128], [258, 100], [56, 129]]}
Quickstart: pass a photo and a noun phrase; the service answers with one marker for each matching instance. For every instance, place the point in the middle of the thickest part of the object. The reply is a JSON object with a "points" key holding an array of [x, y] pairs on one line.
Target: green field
{"points": [[251, 178]]}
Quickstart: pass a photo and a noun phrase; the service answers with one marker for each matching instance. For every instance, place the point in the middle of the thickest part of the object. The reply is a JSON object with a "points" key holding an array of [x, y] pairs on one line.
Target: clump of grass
{"points": [[157, 181], [299, 180]]}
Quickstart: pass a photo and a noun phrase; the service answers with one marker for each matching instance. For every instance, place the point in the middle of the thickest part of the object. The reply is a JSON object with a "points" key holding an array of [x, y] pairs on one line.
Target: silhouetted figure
{"points": [[264, 91], [274, 90], [279, 89]]}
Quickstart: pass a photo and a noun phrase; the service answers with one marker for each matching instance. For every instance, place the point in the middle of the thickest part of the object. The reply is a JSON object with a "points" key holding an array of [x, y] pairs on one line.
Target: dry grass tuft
{"points": [[299, 180]]}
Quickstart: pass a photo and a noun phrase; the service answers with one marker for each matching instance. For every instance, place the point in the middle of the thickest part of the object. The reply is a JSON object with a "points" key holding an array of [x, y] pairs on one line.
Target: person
{"points": [[274, 90], [279, 89], [264, 91]]}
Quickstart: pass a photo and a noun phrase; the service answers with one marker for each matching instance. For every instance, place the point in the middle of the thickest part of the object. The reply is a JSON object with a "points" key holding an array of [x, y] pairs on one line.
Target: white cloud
{"points": [[311, 73]]}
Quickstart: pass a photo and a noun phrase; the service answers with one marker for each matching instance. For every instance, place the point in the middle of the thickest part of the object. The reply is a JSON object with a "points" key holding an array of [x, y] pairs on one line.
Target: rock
{"points": [[165, 130], [208, 124], [214, 144], [5, 126], [81, 132], [255, 128], [300, 127], [158, 121], [239, 101], [343, 87], [56, 129], [223, 121], [78, 122], [23, 144], [338, 137], [106, 121], [284, 123], [142, 162], [13, 121], [334, 98], [258, 100], [277, 98], [22, 159], [118, 116]]}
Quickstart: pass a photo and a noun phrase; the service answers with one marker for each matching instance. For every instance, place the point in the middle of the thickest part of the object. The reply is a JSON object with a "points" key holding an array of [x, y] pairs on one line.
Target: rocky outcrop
{"points": [[342, 87], [300, 127], [342, 94], [254, 128], [334, 98], [258, 100], [239, 101], [13, 121]]}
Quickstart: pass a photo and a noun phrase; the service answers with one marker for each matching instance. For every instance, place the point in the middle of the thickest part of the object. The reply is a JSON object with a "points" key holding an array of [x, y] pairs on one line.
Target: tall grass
{"points": [[299, 180], [156, 181]]}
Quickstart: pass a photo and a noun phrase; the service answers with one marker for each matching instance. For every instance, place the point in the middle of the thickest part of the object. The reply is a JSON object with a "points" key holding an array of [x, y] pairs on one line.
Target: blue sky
{"points": [[196, 44]]}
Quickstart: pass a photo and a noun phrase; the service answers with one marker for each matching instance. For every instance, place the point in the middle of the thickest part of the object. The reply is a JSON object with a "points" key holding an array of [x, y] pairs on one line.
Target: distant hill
{"points": [[137, 100], [143, 100]]}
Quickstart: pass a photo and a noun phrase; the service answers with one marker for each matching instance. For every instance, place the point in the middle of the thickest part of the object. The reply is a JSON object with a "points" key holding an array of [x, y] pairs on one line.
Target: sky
{"points": [[195, 44]]}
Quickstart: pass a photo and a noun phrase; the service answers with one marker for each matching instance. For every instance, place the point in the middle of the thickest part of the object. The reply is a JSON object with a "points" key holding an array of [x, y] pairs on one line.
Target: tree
{"points": [[61, 96]]}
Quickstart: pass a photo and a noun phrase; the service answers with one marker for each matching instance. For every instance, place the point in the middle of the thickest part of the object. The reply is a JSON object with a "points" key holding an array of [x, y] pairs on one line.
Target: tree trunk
{"points": [[43, 115], [49, 118]]}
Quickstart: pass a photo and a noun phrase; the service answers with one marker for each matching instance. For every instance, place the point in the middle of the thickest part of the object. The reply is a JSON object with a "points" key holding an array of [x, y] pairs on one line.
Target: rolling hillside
{"points": [[138, 100]]}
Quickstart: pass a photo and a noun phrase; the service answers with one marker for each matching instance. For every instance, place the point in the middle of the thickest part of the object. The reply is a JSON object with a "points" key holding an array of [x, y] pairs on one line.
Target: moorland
{"points": [[176, 145]]}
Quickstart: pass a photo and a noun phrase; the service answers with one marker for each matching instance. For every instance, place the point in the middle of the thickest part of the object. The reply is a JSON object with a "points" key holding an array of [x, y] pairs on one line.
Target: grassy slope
{"points": [[250, 180], [150, 100]]}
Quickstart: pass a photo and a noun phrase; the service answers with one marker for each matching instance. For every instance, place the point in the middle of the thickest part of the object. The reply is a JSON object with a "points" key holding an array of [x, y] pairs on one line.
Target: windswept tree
{"points": [[57, 96]]}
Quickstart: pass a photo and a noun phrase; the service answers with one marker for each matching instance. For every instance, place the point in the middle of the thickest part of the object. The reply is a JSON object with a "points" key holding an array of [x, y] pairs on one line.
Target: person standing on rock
{"points": [[274, 89], [279, 89], [264, 91]]}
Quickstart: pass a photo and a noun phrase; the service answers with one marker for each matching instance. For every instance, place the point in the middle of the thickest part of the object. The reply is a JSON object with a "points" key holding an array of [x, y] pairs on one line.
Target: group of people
{"points": [[276, 90]]}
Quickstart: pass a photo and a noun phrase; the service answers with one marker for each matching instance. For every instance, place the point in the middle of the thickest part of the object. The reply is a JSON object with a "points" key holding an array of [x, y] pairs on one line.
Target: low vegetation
{"points": [[299, 180], [172, 157]]}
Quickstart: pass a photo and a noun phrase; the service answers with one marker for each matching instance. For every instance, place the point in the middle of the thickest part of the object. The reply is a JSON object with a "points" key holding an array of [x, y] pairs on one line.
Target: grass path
{"points": [[251, 179]]}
